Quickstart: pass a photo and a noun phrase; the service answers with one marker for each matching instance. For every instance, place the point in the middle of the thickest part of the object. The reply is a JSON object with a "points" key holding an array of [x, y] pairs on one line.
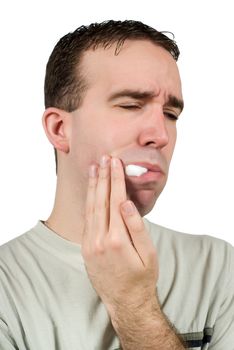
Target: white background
{"points": [[199, 195]]}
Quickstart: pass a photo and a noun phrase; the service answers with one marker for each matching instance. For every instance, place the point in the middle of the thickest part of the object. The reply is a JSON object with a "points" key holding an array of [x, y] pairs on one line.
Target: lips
{"points": [[150, 167], [155, 174]]}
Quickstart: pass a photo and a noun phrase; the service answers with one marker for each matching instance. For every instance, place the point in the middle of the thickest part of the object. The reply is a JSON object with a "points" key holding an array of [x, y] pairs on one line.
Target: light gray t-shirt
{"points": [[48, 303]]}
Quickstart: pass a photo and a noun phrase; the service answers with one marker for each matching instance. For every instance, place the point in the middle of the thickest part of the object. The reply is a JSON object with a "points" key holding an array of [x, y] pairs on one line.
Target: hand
{"points": [[119, 255]]}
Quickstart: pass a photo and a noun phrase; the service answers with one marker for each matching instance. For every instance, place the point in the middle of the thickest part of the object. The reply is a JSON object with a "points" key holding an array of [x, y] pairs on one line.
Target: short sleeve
{"points": [[223, 336]]}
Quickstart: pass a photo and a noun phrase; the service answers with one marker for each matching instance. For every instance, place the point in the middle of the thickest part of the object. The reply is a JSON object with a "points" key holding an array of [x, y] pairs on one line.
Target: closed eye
{"points": [[171, 116], [134, 107], [130, 106]]}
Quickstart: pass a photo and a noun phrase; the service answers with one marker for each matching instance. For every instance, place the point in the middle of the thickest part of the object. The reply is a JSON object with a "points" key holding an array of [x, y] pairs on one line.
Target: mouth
{"points": [[143, 172], [141, 167]]}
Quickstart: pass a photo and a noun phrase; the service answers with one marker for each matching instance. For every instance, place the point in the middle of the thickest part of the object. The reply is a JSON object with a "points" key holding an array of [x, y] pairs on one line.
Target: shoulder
{"points": [[15, 249], [199, 250], [160, 233], [196, 280]]}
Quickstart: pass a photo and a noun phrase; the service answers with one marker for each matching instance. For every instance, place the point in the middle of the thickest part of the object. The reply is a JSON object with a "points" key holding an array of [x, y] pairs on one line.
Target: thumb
{"points": [[138, 232]]}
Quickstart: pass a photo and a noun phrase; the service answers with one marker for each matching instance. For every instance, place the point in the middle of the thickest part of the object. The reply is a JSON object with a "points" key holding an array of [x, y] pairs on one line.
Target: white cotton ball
{"points": [[135, 170]]}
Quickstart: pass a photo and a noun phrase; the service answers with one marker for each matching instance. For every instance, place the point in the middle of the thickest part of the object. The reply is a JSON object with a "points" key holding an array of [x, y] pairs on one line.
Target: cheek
{"points": [[90, 142], [118, 139], [173, 135], [112, 133], [172, 141]]}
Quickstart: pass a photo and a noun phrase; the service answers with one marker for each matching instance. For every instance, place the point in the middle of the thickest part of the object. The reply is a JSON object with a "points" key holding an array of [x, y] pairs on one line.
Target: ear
{"points": [[57, 126]]}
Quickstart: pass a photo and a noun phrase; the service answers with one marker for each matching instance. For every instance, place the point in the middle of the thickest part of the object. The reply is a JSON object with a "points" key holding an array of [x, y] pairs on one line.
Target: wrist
{"points": [[136, 314]]}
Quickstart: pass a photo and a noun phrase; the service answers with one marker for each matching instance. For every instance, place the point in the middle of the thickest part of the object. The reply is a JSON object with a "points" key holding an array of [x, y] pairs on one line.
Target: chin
{"points": [[143, 210], [144, 207], [145, 198]]}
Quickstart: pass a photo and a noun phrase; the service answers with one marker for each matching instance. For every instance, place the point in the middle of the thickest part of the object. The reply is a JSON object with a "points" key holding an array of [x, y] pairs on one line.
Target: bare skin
{"points": [[146, 133], [121, 262], [120, 259]]}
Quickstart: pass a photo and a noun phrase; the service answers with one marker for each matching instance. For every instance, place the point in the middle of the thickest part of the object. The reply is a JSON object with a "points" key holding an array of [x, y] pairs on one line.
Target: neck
{"points": [[68, 215]]}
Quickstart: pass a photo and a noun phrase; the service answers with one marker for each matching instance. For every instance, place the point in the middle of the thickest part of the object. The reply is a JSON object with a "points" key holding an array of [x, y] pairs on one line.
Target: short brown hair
{"points": [[64, 84]]}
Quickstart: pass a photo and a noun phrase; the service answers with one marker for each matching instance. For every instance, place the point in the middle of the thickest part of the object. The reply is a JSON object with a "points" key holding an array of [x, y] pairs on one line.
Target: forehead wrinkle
{"points": [[136, 94], [171, 101]]}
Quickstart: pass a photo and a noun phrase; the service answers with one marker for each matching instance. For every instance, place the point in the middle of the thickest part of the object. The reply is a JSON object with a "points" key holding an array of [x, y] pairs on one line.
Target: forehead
{"points": [[140, 64]]}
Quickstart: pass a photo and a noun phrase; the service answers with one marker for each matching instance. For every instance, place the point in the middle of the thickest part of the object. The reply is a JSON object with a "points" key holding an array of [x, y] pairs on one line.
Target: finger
{"points": [[117, 194], [90, 201], [102, 199], [139, 234]]}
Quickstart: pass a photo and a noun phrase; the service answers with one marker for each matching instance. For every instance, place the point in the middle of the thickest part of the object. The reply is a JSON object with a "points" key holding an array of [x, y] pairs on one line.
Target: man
{"points": [[96, 274]]}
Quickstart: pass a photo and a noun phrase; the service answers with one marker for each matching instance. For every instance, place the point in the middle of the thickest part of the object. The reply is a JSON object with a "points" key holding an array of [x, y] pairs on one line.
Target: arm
{"points": [[147, 329], [122, 265]]}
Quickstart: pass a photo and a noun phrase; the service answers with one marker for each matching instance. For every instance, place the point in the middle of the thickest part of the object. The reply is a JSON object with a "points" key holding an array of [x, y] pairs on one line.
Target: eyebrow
{"points": [[172, 101]]}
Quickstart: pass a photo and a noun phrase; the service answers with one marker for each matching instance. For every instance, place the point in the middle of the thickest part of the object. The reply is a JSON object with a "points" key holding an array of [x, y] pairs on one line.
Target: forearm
{"points": [[145, 330]]}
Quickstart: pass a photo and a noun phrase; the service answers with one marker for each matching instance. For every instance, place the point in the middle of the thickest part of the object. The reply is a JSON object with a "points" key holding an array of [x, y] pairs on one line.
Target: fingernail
{"points": [[128, 208], [114, 162], [92, 171], [103, 161]]}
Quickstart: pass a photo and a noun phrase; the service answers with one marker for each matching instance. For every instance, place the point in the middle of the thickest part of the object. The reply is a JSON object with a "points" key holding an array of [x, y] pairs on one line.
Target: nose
{"points": [[154, 130]]}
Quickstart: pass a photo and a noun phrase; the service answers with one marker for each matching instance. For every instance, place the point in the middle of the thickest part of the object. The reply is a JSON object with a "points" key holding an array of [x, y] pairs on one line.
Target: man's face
{"points": [[127, 112]]}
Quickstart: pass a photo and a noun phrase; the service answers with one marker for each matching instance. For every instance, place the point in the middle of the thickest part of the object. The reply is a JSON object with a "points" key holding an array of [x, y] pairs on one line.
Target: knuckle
{"points": [[102, 206], [98, 248], [115, 174], [115, 199], [115, 243], [92, 183], [117, 178], [103, 175], [139, 227]]}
